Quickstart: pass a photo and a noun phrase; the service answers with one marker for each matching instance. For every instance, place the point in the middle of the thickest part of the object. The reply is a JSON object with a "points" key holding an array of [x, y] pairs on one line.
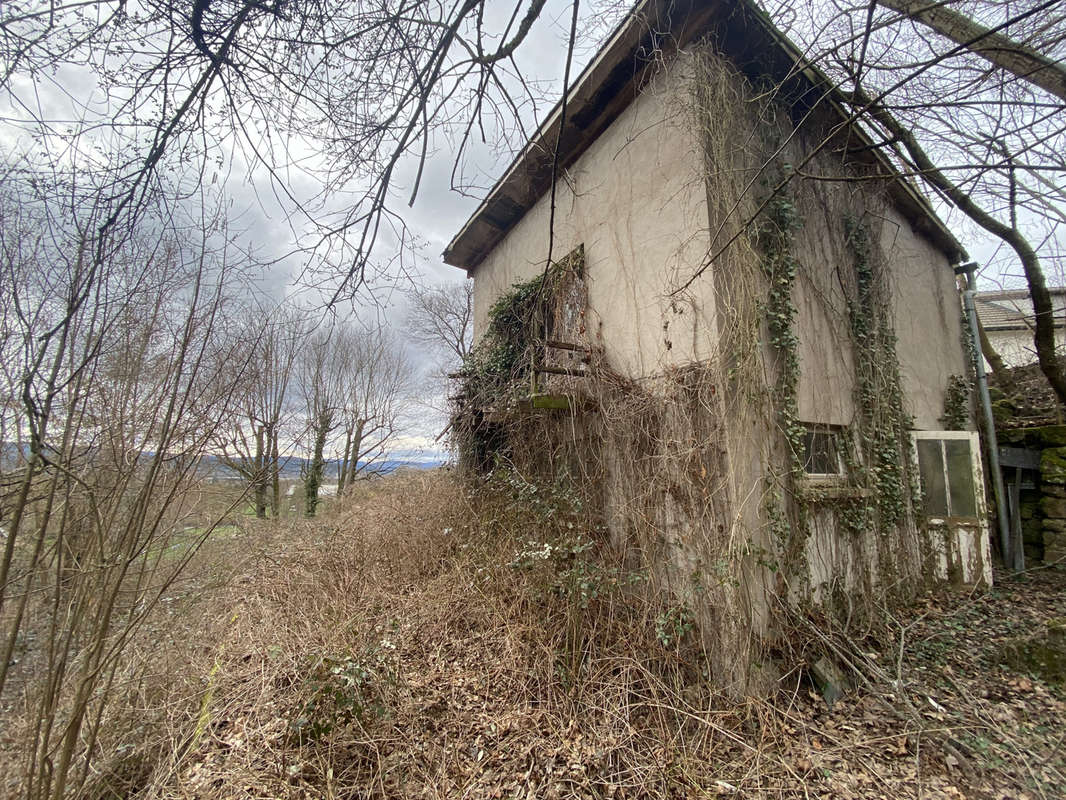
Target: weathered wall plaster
{"points": [[637, 200]]}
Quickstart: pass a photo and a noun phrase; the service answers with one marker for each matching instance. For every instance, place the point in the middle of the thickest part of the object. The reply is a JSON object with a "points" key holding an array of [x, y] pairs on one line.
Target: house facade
{"points": [[757, 333], [1009, 322]]}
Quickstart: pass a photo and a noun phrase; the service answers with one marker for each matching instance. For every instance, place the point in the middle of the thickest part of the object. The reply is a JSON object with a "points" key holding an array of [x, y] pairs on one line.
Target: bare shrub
{"points": [[429, 637], [118, 376]]}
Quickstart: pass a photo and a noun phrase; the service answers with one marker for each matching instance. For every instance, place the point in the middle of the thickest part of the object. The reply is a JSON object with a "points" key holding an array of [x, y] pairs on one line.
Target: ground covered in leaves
{"points": [[427, 640]]}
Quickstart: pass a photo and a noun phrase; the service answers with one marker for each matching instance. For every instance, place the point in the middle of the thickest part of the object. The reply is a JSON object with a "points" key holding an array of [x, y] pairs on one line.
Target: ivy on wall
{"points": [[500, 361], [882, 426], [957, 404], [876, 450], [776, 239], [498, 370]]}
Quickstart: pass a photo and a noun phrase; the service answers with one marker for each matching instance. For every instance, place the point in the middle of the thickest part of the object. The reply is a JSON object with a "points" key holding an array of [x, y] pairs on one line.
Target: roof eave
{"points": [[601, 92], [607, 86]]}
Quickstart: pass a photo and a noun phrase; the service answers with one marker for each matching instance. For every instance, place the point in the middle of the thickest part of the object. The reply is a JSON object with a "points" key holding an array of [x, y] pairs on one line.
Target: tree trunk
{"points": [[995, 362], [318, 465], [344, 462], [1017, 59], [275, 474], [1044, 335], [260, 481], [357, 442]]}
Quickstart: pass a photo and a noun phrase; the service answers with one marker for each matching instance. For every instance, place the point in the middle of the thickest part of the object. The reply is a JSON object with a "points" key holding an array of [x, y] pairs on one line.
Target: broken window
{"points": [[560, 327], [949, 469], [821, 450], [562, 314]]}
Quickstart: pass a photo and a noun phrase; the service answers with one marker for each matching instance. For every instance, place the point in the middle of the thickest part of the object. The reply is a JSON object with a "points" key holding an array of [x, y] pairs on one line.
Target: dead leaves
{"points": [[478, 709]]}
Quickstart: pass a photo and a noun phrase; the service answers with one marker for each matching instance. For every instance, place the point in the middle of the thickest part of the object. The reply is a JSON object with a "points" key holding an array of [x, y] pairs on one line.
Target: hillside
{"points": [[426, 639]]}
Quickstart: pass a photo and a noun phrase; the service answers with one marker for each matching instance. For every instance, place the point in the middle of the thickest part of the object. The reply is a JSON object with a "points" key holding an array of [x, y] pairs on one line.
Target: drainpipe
{"points": [[986, 404]]}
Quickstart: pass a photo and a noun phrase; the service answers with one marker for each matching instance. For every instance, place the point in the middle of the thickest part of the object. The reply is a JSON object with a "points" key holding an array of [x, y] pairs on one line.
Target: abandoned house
{"points": [[747, 338]]}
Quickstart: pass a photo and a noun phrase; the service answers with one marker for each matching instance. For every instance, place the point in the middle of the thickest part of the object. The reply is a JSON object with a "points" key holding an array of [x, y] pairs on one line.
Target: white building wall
{"points": [[1016, 347], [636, 199]]}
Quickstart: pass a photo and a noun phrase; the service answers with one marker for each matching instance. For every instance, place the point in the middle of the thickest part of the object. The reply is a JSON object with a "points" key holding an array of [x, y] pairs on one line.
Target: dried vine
{"points": [[883, 425], [776, 237]]}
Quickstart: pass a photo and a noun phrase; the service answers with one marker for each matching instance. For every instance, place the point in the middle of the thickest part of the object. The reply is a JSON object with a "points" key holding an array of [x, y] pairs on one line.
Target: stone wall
{"points": [[1043, 502]]}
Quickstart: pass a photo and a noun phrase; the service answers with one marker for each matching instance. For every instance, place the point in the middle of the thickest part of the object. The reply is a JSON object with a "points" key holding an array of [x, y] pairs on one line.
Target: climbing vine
{"points": [[500, 360], [875, 451], [957, 403], [789, 523], [494, 373], [884, 426], [499, 371], [776, 237]]}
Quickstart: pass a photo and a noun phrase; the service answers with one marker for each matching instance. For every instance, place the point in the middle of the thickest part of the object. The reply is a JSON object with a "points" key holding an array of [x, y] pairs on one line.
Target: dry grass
{"points": [[428, 640]]}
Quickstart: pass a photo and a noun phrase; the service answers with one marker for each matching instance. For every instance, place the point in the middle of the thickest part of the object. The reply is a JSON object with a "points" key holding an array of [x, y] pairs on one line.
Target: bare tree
{"points": [[1016, 57], [442, 317], [321, 386], [365, 83], [966, 98], [251, 446], [376, 393], [1044, 330], [356, 385], [121, 379]]}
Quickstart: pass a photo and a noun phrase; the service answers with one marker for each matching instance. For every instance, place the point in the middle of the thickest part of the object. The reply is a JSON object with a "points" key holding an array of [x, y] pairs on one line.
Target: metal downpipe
{"points": [[1009, 559]]}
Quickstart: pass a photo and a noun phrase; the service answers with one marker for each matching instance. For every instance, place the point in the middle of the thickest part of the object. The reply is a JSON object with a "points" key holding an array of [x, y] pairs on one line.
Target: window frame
{"points": [[837, 434], [977, 475]]}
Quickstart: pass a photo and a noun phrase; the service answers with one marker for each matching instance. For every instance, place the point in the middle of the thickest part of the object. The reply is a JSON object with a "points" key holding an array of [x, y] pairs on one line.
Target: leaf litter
{"points": [[392, 649]]}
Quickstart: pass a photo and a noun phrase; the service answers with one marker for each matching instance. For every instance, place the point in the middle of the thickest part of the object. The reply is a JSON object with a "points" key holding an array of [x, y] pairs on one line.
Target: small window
{"points": [[821, 450], [949, 468]]}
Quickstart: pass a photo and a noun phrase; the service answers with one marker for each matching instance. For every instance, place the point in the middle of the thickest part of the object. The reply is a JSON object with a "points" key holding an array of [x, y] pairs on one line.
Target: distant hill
{"points": [[292, 468]]}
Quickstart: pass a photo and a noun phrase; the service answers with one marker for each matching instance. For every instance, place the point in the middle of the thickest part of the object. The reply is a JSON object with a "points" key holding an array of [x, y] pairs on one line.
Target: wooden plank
{"points": [[1021, 457], [573, 373], [561, 402], [567, 346]]}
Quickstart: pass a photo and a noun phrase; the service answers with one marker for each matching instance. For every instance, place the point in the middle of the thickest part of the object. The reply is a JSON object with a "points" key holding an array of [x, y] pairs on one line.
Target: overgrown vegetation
{"points": [[499, 363], [957, 414], [500, 370], [876, 449], [883, 425], [496, 372], [654, 453], [425, 637], [776, 238]]}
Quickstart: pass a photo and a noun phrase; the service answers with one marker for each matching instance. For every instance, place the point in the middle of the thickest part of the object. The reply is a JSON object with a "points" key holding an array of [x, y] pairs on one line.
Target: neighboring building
{"points": [[740, 400], [1009, 322]]}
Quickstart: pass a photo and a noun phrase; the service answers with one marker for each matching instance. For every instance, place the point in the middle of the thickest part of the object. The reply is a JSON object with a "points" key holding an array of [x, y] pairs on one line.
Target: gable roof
{"points": [[1012, 310], [997, 318], [654, 30]]}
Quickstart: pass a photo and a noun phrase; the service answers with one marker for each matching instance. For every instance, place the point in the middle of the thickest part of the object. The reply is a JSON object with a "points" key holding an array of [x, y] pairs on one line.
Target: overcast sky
{"points": [[439, 210], [260, 212], [437, 214]]}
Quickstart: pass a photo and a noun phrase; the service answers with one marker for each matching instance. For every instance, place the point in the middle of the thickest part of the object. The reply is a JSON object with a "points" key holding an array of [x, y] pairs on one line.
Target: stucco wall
{"points": [[927, 319], [924, 304], [642, 203], [919, 298], [636, 199]]}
